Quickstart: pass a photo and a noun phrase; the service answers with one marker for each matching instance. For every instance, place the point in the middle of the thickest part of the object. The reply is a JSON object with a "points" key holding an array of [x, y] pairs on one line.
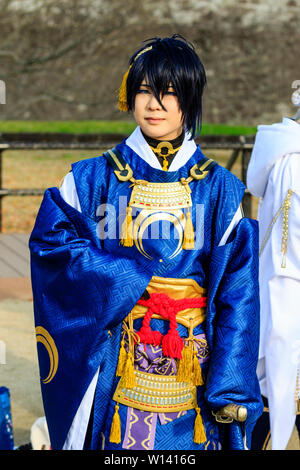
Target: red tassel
{"points": [[167, 307], [157, 337], [149, 336], [172, 344]]}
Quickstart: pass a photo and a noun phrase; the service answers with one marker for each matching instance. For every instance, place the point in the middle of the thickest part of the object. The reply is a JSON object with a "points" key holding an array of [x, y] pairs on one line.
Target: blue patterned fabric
{"points": [[84, 287], [6, 429], [215, 201], [233, 325], [80, 293]]}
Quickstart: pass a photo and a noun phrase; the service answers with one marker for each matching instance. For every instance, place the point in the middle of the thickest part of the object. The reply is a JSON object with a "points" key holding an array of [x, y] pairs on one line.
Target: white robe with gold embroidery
{"points": [[274, 169]]}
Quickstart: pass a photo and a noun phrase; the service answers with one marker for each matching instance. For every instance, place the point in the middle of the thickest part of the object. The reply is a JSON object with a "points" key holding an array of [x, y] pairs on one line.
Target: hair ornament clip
{"points": [[123, 105]]}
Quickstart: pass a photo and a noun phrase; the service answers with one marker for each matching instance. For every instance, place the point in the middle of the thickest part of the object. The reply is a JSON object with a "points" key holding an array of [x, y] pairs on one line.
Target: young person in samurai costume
{"points": [[145, 281], [273, 176]]}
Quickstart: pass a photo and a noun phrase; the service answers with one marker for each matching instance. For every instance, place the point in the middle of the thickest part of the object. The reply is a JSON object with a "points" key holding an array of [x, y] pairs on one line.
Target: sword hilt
{"points": [[231, 412]]}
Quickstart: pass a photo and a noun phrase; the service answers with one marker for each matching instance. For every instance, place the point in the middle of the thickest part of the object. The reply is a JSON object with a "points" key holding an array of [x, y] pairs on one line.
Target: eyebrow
{"points": [[149, 86]]}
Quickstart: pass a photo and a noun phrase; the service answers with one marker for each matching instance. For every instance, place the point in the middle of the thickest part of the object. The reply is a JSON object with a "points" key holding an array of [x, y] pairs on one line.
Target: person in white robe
{"points": [[274, 177]]}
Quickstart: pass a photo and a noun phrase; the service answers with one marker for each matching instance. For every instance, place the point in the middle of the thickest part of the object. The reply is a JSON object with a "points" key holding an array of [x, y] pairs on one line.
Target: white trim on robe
{"points": [[68, 192], [77, 432], [139, 145]]}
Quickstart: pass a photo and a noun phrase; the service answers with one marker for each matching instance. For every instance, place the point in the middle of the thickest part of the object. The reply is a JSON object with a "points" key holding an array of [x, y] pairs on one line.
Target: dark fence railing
{"points": [[240, 146]]}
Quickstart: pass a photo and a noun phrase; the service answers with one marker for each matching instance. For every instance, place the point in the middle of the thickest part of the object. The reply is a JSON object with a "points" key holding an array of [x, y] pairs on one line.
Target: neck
{"points": [[164, 156], [152, 141]]}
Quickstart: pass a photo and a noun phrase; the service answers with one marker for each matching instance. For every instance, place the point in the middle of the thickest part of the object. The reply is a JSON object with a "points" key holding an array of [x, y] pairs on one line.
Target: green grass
{"points": [[110, 127], [227, 129], [73, 127]]}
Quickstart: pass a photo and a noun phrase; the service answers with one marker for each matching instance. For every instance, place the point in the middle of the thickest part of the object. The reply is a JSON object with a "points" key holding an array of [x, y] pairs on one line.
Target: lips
{"points": [[154, 119]]}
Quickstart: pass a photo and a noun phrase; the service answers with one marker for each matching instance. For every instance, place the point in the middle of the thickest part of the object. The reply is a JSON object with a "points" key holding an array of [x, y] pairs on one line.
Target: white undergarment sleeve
{"points": [[68, 191], [235, 220], [77, 432]]}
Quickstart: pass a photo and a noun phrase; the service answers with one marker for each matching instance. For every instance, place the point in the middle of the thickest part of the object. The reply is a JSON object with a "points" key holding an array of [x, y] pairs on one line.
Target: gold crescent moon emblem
{"points": [[147, 217], [42, 336]]}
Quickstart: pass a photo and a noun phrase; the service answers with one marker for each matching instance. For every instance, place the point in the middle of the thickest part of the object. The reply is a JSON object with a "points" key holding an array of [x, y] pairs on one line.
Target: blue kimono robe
{"points": [[85, 285]]}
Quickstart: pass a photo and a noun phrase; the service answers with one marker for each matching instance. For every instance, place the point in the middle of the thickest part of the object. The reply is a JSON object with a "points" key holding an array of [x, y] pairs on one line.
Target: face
{"points": [[154, 121]]}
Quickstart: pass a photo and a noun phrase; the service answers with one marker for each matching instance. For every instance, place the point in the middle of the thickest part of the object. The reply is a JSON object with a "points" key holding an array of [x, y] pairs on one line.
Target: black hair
{"points": [[170, 60]]}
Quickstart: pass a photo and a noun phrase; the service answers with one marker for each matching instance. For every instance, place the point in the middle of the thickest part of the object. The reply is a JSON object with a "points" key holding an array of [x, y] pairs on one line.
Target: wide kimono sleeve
{"points": [[233, 329], [81, 295]]}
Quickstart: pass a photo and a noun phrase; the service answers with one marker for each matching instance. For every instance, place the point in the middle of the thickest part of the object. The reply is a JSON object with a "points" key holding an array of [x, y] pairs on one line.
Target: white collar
{"points": [[138, 144]]}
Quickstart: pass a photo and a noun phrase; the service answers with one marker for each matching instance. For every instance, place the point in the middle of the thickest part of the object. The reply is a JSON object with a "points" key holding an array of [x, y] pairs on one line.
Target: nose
{"points": [[153, 103]]}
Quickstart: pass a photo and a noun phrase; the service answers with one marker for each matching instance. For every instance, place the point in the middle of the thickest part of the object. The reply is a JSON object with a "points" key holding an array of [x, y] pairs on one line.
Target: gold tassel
{"points": [[115, 430], [185, 365], [122, 359], [189, 236], [199, 430], [165, 165], [123, 105], [197, 375], [126, 231], [128, 377]]}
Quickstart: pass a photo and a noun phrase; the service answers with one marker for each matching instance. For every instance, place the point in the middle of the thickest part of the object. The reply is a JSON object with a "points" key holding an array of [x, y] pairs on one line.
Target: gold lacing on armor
{"points": [[157, 393], [163, 196], [159, 196]]}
